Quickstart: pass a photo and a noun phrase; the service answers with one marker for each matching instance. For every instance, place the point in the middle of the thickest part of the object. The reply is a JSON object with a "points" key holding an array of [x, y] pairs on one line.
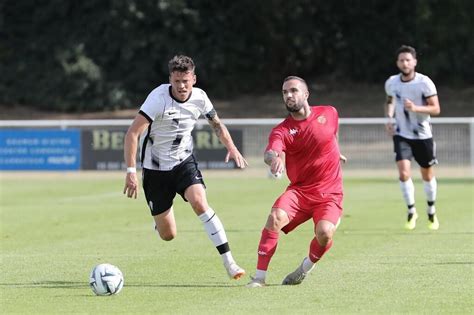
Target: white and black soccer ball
{"points": [[106, 279]]}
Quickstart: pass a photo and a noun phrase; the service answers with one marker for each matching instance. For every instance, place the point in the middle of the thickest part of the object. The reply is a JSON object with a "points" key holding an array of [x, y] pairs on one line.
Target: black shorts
{"points": [[424, 151], [160, 187]]}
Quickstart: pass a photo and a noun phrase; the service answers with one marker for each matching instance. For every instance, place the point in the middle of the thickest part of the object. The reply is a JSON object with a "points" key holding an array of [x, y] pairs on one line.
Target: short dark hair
{"points": [[405, 49], [181, 63], [294, 77]]}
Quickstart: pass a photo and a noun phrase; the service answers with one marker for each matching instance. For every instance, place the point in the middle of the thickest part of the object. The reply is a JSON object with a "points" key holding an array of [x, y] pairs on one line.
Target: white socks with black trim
{"points": [[408, 191], [430, 189], [215, 231]]}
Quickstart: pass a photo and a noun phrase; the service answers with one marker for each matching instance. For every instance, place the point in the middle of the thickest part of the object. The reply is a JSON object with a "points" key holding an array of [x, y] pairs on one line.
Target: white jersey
{"points": [[411, 125], [168, 140]]}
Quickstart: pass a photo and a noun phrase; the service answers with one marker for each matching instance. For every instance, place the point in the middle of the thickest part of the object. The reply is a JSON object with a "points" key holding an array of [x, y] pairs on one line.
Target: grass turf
{"points": [[55, 229]]}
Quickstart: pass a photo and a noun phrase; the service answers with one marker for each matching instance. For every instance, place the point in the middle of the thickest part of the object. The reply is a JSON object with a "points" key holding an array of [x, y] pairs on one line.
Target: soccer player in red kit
{"points": [[306, 143]]}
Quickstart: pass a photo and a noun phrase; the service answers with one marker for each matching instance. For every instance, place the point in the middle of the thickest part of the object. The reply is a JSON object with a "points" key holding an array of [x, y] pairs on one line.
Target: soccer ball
{"points": [[106, 279]]}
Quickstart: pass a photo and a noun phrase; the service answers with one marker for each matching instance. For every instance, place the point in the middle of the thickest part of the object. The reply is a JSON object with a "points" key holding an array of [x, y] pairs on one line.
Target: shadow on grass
{"points": [[206, 285], [435, 263], [82, 285], [47, 284], [199, 231], [399, 232], [455, 263]]}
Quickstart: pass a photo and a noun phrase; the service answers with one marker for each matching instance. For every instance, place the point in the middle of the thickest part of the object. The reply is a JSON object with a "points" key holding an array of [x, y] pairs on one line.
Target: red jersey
{"points": [[311, 150]]}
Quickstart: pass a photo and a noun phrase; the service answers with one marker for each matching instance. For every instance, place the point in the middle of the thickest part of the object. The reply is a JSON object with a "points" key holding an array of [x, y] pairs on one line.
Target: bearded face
{"points": [[295, 95], [293, 106]]}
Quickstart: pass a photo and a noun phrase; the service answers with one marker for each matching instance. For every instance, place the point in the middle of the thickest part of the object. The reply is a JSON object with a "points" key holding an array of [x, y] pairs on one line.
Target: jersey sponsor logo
{"points": [[293, 132], [322, 119]]}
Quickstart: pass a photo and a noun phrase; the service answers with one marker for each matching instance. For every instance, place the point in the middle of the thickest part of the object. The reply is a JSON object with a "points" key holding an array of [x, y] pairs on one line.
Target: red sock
{"points": [[266, 248], [317, 251]]}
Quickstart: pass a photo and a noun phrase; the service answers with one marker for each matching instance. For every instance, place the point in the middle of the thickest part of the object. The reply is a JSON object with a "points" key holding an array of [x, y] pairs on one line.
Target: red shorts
{"points": [[300, 207]]}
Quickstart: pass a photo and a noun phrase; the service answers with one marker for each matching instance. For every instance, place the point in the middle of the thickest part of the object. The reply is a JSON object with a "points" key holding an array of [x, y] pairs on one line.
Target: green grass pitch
{"points": [[55, 228]]}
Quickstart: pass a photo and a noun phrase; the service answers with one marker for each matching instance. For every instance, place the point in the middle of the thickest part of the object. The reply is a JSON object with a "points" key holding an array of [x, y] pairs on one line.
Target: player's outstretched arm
{"points": [[138, 125], [224, 136]]}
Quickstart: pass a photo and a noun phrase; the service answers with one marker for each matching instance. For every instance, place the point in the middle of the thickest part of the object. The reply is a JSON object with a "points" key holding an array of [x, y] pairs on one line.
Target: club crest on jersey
{"points": [[322, 119], [293, 132]]}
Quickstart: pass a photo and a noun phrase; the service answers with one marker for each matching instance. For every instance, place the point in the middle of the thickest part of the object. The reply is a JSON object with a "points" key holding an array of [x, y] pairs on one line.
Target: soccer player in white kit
{"points": [[411, 100], [165, 122]]}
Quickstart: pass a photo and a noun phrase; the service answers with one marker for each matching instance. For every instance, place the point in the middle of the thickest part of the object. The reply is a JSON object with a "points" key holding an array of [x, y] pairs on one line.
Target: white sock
{"points": [[227, 258], [308, 265], [260, 274], [431, 210], [408, 192], [431, 188], [215, 231]]}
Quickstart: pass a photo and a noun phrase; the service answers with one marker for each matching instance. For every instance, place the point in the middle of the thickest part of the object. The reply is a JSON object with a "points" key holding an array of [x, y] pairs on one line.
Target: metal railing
{"points": [[362, 140]]}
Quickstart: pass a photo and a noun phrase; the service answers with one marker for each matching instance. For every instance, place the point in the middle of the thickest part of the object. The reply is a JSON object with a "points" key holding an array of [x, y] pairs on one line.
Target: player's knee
{"points": [[167, 236], [276, 220], [427, 175], [199, 205], [324, 235], [404, 176]]}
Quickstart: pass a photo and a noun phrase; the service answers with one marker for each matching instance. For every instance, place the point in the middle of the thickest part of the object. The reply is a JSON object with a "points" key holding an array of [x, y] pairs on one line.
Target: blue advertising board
{"points": [[40, 149]]}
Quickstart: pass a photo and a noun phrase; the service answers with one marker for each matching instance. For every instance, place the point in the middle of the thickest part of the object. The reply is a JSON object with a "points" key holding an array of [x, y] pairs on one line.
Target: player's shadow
{"points": [[376, 231], [84, 284], [189, 285], [48, 284], [454, 263]]}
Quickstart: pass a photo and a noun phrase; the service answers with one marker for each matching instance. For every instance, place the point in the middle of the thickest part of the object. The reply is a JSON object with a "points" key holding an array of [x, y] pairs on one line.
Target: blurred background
{"points": [[99, 59], [96, 55]]}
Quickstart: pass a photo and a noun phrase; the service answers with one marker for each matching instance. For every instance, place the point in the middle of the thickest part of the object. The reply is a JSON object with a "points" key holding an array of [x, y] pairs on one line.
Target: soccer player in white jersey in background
{"points": [[411, 100], [165, 122]]}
